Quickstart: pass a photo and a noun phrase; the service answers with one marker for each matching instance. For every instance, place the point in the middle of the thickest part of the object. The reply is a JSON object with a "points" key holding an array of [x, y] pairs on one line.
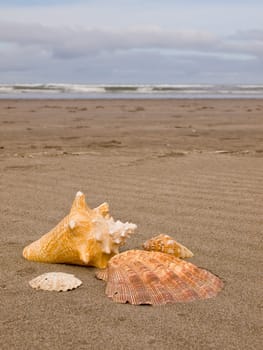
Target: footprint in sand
{"points": [[25, 271]]}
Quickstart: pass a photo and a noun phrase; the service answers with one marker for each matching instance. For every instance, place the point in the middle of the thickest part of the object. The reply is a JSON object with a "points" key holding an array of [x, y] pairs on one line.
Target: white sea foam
{"points": [[53, 90]]}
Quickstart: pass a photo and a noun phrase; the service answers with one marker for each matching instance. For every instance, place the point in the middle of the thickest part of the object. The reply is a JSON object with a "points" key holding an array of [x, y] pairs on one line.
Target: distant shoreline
{"points": [[130, 91]]}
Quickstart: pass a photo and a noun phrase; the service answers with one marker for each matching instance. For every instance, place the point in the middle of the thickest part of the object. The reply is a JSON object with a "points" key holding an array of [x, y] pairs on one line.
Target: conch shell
{"points": [[55, 281], [166, 244], [84, 237], [141, 277]]}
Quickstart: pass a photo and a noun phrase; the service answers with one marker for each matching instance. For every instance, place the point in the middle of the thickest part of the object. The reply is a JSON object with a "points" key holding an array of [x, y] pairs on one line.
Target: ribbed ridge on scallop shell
{"points": [[102, 274], [141, 277], [166, 244], [55, 281]]}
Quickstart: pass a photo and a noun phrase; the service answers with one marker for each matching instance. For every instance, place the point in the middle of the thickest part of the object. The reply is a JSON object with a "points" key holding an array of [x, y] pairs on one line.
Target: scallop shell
{"points": [[55, 281], [141, 277], [166, 244], [84, 237]]}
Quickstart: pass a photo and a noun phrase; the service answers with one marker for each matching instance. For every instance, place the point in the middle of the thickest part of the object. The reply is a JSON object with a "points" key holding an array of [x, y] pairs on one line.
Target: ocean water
{"points": [[90, 91]]}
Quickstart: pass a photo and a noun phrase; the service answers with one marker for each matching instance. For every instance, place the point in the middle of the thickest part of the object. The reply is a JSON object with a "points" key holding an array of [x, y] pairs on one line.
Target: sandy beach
{"points": [[190, 168]]}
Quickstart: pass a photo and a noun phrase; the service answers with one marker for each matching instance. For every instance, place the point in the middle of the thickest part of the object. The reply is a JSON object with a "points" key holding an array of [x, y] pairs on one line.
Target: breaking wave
{"points": [[129, 91]]}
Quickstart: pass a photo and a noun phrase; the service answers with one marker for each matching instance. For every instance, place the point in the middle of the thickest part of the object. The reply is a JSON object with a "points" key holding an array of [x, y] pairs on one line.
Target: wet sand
{"points": [[189, 168]]}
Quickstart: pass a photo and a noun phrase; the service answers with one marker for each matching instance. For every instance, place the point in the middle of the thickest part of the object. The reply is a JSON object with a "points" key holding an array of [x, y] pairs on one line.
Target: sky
{"points": [[131, 41]]}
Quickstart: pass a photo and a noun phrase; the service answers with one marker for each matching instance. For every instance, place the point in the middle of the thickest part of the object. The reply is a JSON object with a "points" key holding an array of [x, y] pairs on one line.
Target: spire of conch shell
{"points": [[84, 237]]}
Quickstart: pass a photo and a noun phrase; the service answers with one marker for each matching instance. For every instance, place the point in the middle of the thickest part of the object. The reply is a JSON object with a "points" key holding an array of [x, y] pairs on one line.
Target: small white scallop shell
{"points": [[55, 281]]}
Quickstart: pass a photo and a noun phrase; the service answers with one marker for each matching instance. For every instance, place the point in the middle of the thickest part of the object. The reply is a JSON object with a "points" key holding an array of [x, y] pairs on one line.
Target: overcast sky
{"points": [[131, 41]]}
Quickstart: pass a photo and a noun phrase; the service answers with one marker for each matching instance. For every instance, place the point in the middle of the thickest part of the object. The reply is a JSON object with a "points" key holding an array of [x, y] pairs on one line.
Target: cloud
{"points": [[37, 52], [132, 66], [28, 3], [252, 34], [247, 42], [68, 43]]}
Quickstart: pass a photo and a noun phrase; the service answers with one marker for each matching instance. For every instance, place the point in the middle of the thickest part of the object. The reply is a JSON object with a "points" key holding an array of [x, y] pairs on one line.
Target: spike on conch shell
{"points": [[84, 237], [55, 281], [155, 278], [166, 244]]}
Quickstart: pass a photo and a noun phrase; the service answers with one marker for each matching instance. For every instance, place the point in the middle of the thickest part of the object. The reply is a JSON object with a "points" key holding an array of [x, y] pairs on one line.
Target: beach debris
{"points": [[222, 152], [166, 244], [84, 237], [155, 278], [55, 281]]}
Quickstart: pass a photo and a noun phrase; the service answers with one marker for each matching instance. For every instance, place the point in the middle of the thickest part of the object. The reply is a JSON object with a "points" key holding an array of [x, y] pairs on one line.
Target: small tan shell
{"points": [[55, 281], [141, 277], [166, 244]]}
